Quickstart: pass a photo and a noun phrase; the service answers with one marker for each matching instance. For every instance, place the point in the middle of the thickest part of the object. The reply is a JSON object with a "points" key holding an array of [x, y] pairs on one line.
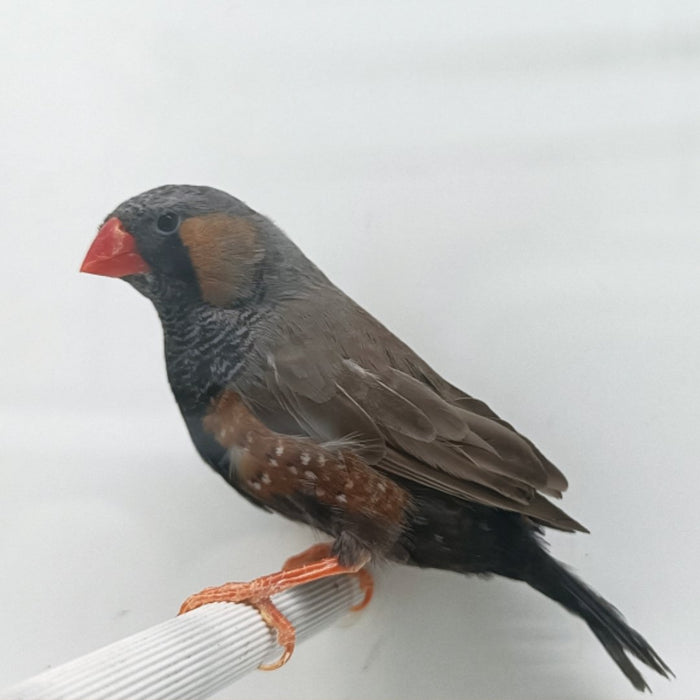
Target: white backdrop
{"points": [[511, 187]]}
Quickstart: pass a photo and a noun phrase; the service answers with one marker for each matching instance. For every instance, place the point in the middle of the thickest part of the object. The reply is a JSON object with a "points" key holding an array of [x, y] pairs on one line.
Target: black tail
{"points": [[548, 576]]}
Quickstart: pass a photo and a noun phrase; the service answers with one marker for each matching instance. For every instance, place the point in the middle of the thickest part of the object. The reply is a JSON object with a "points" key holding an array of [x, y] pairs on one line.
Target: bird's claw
{"points": [[246, 593], [324, 550], [312, 564]]}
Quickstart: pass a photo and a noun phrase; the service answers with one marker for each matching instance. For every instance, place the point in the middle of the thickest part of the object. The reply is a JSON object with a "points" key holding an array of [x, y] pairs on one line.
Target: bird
{"points": [[311, 408]]}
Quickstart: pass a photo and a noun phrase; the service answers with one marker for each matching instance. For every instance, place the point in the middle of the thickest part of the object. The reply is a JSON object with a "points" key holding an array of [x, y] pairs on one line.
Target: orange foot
{"points": [[312, 564], [318, 552]]}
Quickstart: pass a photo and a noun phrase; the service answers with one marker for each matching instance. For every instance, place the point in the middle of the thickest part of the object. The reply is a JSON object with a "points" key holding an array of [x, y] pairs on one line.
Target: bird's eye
{"points": [[168, 222]]}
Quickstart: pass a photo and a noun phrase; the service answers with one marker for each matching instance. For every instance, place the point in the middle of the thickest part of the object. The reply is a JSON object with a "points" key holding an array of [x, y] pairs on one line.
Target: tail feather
{"points": [[548, 576]]}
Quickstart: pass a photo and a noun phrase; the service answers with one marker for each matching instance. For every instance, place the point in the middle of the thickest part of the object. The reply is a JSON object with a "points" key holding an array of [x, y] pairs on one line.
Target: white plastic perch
{"points": [[193, 655]]}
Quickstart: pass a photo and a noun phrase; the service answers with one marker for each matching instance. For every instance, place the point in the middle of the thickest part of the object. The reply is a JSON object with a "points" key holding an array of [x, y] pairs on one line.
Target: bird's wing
{"points": [[405, 420]]}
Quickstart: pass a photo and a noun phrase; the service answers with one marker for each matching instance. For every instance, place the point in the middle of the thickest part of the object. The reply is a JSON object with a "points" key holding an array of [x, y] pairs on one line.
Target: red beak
{"points": [[113, 253]]}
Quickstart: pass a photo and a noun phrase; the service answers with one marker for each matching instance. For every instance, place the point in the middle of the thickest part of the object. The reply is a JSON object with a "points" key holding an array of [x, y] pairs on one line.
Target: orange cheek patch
{"points": [[223, 250], [272, 465]]}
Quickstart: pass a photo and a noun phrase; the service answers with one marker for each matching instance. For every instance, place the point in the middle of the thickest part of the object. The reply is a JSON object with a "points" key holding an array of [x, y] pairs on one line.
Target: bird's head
{"points": [[194, 242]]}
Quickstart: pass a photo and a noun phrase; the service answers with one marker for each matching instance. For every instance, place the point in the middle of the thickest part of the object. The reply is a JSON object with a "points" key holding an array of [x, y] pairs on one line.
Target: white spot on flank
{"points": [[265, 478], [249, 436], [349, 484], [310, 475], [222, 434], [256, 485], [305, 458], [273, 462], [321, 460], [279, 450], [381, 486], [293, 469], [320, 492], [341, 498]]}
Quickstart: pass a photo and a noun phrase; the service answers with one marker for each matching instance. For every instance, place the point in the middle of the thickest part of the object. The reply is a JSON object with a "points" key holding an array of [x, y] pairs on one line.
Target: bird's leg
{"points": [[322, 550], [311, 565]]}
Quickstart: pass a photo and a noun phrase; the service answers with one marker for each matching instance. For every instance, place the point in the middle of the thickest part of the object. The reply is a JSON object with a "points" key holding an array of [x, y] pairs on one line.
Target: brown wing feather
{"points": [[450, 421], [339, 418], [556, 481], [440, 456], [406, 420], [539, 508]]}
